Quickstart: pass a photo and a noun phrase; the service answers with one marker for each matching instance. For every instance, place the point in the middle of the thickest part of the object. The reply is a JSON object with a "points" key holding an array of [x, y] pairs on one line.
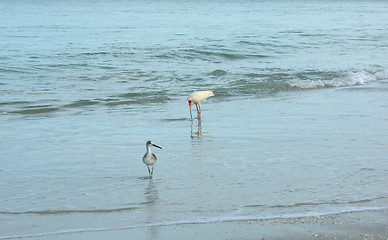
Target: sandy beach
{"points": [[351, 225]]}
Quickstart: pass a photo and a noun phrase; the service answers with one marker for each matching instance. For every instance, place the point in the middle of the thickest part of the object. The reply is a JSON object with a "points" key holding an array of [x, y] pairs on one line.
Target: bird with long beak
{"points": [[149, 158], [197, 98]]}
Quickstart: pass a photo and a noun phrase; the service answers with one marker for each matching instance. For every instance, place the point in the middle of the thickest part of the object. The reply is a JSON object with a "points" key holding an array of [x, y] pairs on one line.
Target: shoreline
{"points": [[368, 224]]}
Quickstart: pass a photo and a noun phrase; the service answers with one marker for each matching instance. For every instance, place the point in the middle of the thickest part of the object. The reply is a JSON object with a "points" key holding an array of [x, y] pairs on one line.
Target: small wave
{"points": [[272, 81], [218, 72], [348, 79], [69, 211], [134, 95], [367, 169], [15, 103], [301, 204], [137, 101], [165, 56], [12, 70], [218, 54], [81, 103], [38, 110], [174, 119], [195, 221], [226, 54], [254, 206], [367, 200], [129, 98], [118, 103], [95, 53], [326, 203], [139, 98]]}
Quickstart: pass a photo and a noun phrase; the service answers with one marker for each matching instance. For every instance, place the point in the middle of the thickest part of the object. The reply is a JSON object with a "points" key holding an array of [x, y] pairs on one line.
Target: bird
{"points": [[197, 98], [149, 158]]}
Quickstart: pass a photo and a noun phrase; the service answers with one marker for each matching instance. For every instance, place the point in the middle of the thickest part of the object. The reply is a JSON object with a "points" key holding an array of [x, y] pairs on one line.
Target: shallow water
{"points": [[297, 126]]}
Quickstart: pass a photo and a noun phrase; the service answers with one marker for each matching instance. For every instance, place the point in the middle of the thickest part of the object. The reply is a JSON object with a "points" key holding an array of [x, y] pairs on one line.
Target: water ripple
{"points": [[68, 211]]}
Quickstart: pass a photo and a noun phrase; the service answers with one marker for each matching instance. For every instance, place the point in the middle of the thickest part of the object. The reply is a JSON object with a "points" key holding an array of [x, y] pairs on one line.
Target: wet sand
{"points": [[351, 225]]}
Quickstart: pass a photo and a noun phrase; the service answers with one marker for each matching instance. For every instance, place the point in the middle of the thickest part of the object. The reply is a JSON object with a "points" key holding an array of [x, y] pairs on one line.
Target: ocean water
{"points": [[298, 125]]}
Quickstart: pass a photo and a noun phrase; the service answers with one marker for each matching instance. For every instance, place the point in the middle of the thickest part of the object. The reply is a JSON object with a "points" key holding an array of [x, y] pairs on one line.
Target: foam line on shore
{"points": [[194, 222]]}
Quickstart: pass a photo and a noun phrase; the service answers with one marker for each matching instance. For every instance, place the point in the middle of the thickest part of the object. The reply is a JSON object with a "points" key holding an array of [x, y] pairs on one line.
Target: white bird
{"points": [[149, 158], [197, 98]]}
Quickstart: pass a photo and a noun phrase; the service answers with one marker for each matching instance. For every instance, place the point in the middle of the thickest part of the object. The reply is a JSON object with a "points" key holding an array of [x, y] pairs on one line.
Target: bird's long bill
{"points": [[156, 146], [191, 116]]}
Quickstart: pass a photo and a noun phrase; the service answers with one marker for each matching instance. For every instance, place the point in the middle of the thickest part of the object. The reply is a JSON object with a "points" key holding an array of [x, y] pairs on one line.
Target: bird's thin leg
{"points": [[198, 110], [152, 171], [149, 171]]}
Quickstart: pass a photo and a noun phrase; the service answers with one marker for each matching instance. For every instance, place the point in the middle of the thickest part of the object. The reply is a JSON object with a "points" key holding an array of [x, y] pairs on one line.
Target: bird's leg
{"points": [[198, 110], [149, 172], [152, 171]]}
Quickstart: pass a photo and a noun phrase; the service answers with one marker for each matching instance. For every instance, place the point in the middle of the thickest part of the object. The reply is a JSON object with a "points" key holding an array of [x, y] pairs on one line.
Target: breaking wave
{"points": [[274, 81], [348, 79], [225, 85]]}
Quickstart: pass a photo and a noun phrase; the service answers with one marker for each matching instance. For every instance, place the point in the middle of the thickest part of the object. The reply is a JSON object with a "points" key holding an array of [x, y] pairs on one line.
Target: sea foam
{"points": [[348, 79]]}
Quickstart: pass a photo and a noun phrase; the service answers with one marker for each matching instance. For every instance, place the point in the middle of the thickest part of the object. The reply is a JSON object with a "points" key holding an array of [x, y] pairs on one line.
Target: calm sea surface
{"points": [[298, 125]]}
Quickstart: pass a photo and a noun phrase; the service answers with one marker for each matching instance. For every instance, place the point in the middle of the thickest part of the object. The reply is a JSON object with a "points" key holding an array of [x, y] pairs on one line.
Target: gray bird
{"points": [[149, 158]]}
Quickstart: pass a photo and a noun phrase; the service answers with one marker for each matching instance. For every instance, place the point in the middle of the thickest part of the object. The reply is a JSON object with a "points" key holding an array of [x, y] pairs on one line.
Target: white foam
{"points": [[199, 221], [349, 79]]}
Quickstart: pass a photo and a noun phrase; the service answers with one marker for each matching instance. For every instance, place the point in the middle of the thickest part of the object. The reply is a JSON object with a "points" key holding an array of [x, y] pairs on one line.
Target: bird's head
{"points": [[190, 103], [149, 143]]}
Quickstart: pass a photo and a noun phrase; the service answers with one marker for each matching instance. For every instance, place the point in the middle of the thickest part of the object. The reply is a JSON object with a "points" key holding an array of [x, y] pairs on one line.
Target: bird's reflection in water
{"points": [[151, 193], [152, 197], [200, 140], [198, 133]]}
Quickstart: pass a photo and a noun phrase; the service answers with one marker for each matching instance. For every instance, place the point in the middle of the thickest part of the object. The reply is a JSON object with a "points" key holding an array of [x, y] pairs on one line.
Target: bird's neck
{"points": [[148, 150]]}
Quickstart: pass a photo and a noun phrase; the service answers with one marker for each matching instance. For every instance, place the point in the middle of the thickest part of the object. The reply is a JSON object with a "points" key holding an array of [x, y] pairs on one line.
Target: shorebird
{"points": [[149, 158], [197, 98]]}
